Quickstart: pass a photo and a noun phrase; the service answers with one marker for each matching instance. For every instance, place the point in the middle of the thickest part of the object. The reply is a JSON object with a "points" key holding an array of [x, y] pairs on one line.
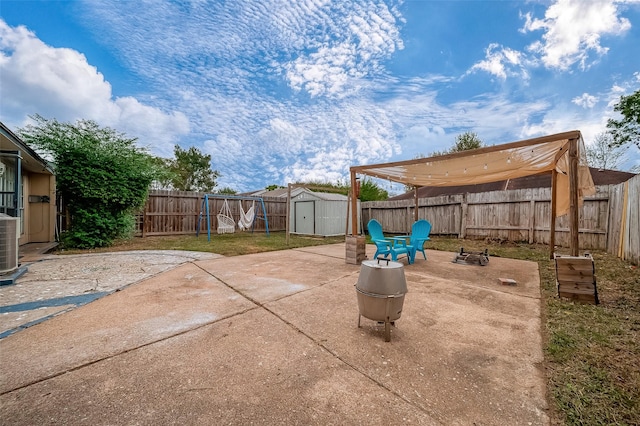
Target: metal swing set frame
{"points": [[204, 209]]}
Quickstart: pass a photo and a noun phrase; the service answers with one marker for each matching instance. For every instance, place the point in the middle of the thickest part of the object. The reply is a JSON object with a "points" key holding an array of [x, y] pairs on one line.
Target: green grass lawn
{"points": [[592, 353], [235, 244]]}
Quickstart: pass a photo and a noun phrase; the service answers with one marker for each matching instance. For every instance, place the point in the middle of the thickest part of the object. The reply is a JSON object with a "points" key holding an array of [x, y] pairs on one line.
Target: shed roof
{"points": [[279, 192], [326, 196], [283, 193]]}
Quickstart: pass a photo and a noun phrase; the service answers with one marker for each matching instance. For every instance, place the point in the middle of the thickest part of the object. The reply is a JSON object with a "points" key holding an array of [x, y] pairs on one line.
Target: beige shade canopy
{"points": [[495, 163]]}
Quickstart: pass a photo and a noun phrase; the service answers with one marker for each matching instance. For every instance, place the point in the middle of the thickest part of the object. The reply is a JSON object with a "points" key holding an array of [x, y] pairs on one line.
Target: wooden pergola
{"points": [[561, 154]]}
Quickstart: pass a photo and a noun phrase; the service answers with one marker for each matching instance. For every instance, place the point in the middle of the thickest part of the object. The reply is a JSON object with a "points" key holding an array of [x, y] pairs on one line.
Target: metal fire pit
{"points": [[472, 257], [380, 289]]}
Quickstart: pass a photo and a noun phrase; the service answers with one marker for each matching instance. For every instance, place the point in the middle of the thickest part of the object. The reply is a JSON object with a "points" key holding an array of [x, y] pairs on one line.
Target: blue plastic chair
{"points": [[383, 246], [386, 247], [420, 231]]}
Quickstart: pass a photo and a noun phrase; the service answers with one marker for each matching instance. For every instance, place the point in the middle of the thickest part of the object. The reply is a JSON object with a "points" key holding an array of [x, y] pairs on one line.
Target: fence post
{"points": [[532, 219], [144, 215], [463, 216], [552, 218]]}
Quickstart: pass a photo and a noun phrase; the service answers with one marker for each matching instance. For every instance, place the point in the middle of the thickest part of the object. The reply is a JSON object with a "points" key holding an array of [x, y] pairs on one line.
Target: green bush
{"points": [[102, 176], [93, 228]]}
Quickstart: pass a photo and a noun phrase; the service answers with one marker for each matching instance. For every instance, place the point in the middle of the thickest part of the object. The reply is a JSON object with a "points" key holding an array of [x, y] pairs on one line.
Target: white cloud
{"points": [[59, 83], [585, 100], [590, 122], [278, 91], [573, 31], [325, 72], [32, 71], [216, 75], [423, 139], [502, 62], [360, 38]]}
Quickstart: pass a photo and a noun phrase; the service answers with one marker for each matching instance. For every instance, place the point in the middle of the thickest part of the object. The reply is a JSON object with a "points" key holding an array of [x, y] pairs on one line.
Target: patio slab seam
{"points": [[89, 296], [319, 343], [115, 355], [353, 367], [76, 301], [302, 250], [8, 333], [464, 355]]}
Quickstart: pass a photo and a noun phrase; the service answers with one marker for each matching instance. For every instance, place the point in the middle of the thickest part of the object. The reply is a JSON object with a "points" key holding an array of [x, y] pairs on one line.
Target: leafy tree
{"points": [[191, 170], [164, 173], [626, 130], [602, 154], [465, 142], [273, 187], [100, 173], [319, 186], [370, 191], [227, 190]]}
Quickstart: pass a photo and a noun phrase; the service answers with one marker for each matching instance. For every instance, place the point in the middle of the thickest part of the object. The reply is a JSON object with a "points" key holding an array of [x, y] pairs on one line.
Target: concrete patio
{"points": [[272, 338]]}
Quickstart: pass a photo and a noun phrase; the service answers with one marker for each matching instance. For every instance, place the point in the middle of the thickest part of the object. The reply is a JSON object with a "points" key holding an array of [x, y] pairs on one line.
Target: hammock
{"points": [[246, 219], [226, 224]]}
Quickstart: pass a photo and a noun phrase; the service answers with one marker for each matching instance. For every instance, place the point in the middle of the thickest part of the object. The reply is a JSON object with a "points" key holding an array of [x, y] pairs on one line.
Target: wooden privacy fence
{"points": [[625, 230], [609, 220], [177, 213], [522, 215]]}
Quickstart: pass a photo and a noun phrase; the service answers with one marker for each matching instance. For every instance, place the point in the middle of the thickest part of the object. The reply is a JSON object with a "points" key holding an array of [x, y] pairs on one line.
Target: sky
{"points": [[281, 91]]}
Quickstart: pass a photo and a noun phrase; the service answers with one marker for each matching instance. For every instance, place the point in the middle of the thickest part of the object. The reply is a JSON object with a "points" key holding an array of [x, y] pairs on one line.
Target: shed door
{"points": [[304, 217]]}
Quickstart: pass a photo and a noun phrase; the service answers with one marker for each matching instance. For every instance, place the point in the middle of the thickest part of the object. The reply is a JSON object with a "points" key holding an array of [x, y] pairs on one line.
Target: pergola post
{"points": [[554, 202], [415, 196], [288, 214], [355, 244], [573, 197], [354, 204]]}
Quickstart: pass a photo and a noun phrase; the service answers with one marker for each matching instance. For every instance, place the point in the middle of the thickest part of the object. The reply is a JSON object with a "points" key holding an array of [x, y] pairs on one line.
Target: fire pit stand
{"points": [[380, 290], [472, 257]]}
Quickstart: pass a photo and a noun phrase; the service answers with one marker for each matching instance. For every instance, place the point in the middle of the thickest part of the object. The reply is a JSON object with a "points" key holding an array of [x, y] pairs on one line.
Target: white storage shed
{"points": [[319, 213]]}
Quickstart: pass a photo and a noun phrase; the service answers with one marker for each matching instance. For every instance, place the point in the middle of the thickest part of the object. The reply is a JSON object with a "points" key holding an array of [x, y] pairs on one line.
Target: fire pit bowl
{"points": [[380, 291]]}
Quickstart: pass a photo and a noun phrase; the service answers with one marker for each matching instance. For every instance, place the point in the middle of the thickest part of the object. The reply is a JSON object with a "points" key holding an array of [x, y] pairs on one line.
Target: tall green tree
{"points": [[627, 129], [273, 187], [320, 186], [466, 141], [191, 170], [227, 190], [370, 191], [100, 173], [463, 142]]}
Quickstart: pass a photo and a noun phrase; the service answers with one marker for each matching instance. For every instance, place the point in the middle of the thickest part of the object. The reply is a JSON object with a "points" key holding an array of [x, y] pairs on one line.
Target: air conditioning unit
{"points": [[8, 243]]}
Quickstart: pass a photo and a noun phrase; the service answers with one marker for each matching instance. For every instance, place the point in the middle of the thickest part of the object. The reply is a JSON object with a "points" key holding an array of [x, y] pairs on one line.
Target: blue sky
{"points": [[279, 91]]}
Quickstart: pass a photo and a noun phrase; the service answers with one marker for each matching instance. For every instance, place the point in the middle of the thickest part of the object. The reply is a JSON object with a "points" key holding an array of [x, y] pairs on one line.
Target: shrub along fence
{"points": [[609, 220]]}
